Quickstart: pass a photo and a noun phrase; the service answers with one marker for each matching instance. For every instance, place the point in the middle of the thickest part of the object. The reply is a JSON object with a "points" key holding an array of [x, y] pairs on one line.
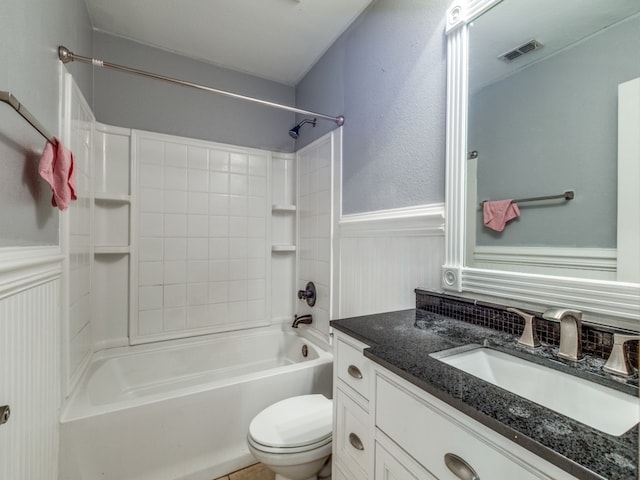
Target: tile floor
{"points": [[254, 472]]}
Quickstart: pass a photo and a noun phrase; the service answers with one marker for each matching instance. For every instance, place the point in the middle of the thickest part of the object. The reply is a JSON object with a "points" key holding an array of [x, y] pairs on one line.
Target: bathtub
{"points": [[181, 410]]}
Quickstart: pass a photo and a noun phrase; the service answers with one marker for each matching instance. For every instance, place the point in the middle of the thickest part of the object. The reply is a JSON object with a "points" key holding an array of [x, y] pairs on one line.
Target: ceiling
{"points": [[278, 40], [556, 24]]}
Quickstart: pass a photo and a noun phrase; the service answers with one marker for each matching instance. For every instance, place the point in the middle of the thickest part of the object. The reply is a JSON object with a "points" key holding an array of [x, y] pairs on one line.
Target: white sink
{"points": [[603, 408]]}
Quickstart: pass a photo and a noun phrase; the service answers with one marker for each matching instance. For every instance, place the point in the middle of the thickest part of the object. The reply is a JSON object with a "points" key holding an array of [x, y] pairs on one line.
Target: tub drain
{"points": [[305, 351]]}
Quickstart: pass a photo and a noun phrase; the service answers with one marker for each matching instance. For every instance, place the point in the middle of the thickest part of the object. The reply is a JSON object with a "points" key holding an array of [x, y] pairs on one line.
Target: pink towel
{"points": [[57, 167], [497, 213]]}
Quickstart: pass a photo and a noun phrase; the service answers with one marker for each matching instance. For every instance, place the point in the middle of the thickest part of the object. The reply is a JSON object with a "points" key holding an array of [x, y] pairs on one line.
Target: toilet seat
{"points": [[293, 425]]}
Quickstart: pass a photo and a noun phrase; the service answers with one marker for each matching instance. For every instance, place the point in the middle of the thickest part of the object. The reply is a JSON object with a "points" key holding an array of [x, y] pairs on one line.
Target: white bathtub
{"points": [[181, 410]]}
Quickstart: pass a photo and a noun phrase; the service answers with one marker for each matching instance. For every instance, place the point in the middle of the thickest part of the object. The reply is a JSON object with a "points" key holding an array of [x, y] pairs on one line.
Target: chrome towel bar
{"points": [[9, 99]]}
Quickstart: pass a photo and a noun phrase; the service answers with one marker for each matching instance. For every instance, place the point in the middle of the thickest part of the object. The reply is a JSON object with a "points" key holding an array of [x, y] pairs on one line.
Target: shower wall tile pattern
{"points": [[202, 229], [80, 216], [315, 223]]}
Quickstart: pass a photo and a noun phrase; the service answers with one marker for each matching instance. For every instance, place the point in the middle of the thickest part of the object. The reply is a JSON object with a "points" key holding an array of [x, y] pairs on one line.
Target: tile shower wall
{"points": [[315, 172], [77, 125], [202, 229]]}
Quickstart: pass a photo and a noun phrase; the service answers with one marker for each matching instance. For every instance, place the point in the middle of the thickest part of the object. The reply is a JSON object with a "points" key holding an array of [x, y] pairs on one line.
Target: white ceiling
{"points": [[274, 39], [556, 24]]}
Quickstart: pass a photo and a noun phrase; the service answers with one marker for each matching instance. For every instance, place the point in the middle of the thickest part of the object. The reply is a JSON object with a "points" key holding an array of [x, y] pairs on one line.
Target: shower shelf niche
{"points": [[279, 208], [112, 197], [110, 249], [283, 248]]}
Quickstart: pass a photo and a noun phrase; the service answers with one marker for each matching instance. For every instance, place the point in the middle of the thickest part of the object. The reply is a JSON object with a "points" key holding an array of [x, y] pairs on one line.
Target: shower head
{"points": [[294, 132]]}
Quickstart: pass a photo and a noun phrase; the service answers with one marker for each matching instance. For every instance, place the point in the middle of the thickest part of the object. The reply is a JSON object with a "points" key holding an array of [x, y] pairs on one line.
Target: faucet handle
{"points": [[528, 337], [618, 362]]}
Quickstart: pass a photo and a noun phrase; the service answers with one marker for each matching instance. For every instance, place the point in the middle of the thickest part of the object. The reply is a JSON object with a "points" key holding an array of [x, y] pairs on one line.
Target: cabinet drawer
{"points": [[428, 434], [353, 368], [393, 464], [353, 441]]}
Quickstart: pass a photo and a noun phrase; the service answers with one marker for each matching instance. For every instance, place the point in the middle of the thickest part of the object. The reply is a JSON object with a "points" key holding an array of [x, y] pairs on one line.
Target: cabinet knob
{"points": [[354, 372], [355, 441], [459, 467]]}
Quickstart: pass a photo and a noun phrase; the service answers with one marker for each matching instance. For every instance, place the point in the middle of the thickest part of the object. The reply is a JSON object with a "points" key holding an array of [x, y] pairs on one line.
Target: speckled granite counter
{"points": [[403, 341]]}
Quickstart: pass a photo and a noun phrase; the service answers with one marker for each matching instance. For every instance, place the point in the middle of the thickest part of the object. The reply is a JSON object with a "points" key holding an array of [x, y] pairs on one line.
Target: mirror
{"points": [[544, 91], [543, 106]]}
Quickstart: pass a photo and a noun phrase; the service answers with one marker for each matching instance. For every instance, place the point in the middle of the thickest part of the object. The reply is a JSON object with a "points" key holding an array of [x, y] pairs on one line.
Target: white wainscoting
{"points": [[30, 362], [385, 255]]}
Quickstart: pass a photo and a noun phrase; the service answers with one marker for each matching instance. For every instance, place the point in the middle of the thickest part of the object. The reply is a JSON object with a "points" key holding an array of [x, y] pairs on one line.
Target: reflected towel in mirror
{"points": [[497, 213]]}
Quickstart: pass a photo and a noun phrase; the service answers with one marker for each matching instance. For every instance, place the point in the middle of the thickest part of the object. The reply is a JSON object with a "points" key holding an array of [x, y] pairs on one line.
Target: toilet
{"points": [[293, 437]]}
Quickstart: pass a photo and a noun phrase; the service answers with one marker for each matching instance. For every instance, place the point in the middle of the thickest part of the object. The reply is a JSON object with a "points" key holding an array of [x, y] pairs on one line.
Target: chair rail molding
{"points": [[22, 268]]}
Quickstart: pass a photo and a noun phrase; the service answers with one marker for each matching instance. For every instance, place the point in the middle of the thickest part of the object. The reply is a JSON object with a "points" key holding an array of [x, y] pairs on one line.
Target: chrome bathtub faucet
{"points": [[570, 331]]}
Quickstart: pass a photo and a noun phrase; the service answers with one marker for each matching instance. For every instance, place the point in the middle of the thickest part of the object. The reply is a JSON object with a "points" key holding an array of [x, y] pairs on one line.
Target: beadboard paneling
{"points": [[384, 256], [29, 382]]}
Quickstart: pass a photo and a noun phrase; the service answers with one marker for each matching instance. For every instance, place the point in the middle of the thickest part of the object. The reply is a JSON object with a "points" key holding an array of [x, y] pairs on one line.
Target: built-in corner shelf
{"points": [[283, 248], [111, 249], [279, 208], [112, 197]]}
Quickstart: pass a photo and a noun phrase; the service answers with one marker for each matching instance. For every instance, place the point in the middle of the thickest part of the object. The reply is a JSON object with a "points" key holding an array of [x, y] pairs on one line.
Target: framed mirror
{"points": [[543, 99]]}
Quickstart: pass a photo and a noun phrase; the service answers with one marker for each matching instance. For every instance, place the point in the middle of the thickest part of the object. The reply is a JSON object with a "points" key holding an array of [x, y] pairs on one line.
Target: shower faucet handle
{"points": [[308, 294]]}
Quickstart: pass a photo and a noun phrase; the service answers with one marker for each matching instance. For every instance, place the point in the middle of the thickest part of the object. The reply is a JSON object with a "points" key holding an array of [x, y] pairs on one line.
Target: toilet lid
{"points": [[293, 422]]}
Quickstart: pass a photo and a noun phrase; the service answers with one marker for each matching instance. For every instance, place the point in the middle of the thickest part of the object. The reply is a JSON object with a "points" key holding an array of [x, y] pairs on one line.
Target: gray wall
{"points": [[387, 75], [137, 102], [550, 128], [30, 32]]}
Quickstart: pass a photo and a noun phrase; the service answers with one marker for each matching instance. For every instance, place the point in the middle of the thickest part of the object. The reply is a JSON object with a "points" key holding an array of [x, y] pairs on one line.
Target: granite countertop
{"points": [[403, 341]]}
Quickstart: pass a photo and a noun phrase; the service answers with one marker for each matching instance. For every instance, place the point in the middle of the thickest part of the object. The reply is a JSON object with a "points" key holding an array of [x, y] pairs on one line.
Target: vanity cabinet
{"points": [[353, 436], [408, 434]]}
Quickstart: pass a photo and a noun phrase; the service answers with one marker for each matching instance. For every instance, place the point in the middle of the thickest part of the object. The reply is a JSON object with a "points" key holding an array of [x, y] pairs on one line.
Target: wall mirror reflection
{"points": [[554, 95]]}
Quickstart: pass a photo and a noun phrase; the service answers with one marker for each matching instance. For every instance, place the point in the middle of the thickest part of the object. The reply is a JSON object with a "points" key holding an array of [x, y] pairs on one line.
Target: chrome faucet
{"points": [[528, 337], [618, 362], [301, 319], [570, 331]]}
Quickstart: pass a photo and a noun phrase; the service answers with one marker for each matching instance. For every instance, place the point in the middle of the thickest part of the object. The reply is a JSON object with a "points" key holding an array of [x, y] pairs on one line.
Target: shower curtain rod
{"points": [[66, 56]]}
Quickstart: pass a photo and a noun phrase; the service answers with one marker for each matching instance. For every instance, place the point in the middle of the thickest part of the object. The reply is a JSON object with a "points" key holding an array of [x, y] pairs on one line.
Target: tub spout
{"points": [[304, 319]]}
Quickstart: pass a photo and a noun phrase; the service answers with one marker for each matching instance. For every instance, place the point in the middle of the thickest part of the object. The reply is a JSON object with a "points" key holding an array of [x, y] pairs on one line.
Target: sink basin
{"points": [[603, 408]]}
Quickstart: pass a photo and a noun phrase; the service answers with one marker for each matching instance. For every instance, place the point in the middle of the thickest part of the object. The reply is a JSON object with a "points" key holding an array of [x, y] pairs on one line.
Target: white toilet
{"points": [[293, 437]]}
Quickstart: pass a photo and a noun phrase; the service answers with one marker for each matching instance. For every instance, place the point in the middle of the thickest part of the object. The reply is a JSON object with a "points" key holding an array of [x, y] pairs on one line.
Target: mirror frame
{"points": [[603, 302]]}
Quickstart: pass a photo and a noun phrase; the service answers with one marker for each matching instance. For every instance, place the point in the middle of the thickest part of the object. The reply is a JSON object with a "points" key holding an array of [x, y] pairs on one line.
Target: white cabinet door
{"points": [[352, 439], [393, 464], [442, 444]]}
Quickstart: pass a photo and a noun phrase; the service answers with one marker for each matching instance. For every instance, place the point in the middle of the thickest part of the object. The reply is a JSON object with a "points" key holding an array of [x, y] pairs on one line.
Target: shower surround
{"points": [[194, 262], [201, 243]]}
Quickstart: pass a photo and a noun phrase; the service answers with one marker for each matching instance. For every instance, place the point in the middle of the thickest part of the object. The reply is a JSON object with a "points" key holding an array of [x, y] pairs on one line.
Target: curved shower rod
{"points": [[66, 56]]}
